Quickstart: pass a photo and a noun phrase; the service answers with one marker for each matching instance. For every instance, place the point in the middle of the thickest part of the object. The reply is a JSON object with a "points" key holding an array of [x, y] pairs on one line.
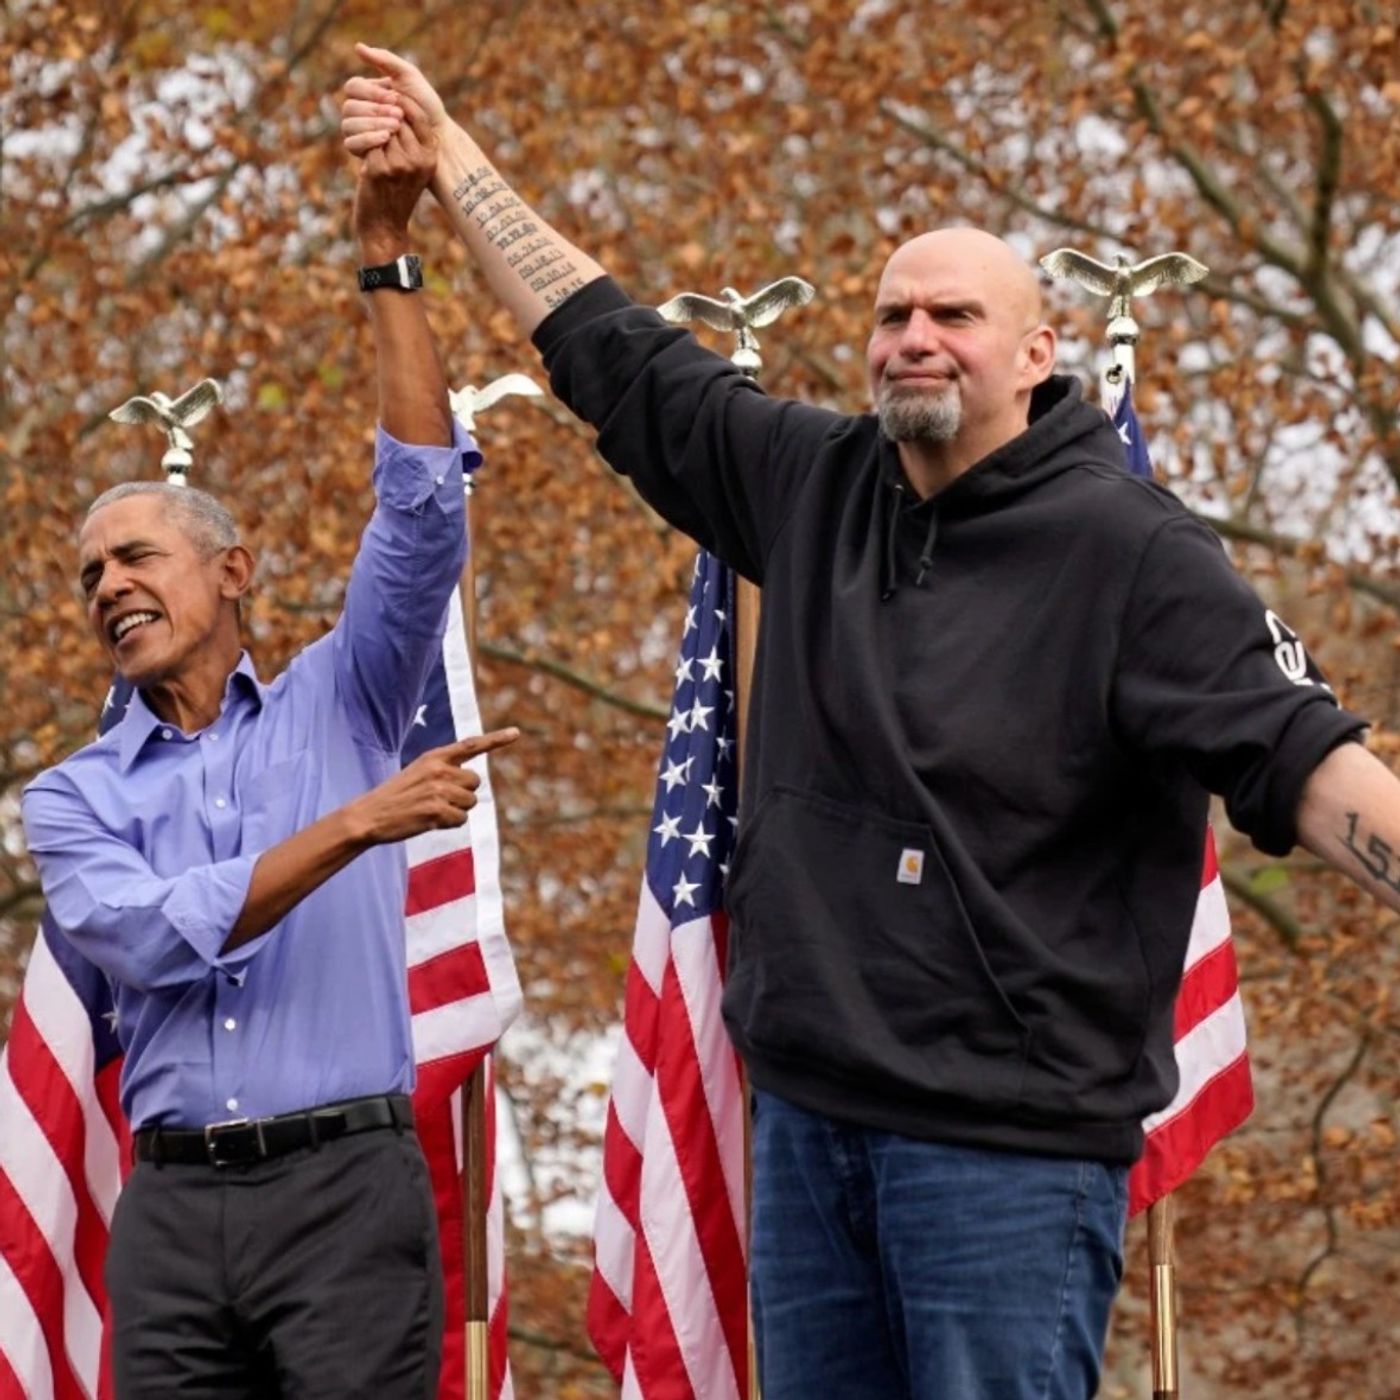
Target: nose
{"points": [[112, 586], [919, 335]]}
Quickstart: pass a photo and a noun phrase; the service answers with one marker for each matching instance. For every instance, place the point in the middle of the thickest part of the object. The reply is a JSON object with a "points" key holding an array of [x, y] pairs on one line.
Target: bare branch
{"points": [[576, 679], [1329, 172], [546, 1343], [1382, 589], [1282, 922], [979, 168], [625, 813], [1329, 1214]]}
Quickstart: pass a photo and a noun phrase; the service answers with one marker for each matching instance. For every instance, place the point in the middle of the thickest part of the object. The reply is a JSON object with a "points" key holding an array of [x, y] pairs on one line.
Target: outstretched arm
{"points": [[529, 266], [1350, 817]]}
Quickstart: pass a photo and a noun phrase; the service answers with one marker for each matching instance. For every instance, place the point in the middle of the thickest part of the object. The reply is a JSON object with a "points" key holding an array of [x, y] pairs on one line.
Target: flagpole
{"points": [[466, 403], [740, 316], [475, 1201], [1121, 283]]}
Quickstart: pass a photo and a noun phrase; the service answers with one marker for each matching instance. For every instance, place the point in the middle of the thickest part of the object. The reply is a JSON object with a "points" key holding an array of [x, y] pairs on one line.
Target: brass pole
{"points": [[475, 1201], [1164, 1331], [746, 610]]}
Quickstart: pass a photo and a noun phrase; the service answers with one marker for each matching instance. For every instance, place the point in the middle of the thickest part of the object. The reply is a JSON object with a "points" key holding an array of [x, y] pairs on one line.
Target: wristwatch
{"points": [[404, 274]]}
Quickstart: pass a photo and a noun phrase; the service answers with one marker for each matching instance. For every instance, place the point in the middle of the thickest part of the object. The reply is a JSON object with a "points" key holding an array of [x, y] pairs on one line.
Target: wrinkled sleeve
{"points": [[142, 930], [1211, 678], [410, 559], [704, 445]]}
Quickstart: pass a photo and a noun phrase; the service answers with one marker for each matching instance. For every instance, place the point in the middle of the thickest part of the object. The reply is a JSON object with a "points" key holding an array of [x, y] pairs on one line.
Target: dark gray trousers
{"points": [[312, 1275]]}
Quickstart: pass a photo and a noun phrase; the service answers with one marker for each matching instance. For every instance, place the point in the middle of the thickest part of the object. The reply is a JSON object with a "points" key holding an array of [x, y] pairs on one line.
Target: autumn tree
{"points": [[175, 203]]}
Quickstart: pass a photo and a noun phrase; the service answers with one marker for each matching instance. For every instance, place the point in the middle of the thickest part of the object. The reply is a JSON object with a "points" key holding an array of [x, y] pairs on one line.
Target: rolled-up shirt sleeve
{"points": [[143, 930], [410, 559]]}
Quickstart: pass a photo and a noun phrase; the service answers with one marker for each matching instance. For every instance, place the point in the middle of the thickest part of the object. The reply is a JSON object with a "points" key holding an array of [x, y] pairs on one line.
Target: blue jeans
{"points": [[883, 1267]]}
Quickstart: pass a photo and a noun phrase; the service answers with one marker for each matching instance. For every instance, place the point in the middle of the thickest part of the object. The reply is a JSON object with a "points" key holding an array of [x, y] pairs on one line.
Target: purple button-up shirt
{"points": [[146, 842]]}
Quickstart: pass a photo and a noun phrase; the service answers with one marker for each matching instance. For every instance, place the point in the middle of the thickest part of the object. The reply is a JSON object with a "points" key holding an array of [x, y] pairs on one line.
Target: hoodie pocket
{"points": [[854, 952]]}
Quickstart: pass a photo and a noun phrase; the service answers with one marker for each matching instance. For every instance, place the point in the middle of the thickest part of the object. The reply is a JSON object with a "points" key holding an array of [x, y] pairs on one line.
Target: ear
{"points": [[236, 573], [1037, 356]]}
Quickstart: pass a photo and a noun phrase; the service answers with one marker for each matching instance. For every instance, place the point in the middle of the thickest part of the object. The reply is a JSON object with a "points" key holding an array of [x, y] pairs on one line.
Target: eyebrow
{"points": [[93, 568], [968, 304]]}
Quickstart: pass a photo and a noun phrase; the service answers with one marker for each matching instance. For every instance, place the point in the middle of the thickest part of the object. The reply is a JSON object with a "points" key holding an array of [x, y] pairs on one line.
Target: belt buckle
{"points": [[211, 1142]]}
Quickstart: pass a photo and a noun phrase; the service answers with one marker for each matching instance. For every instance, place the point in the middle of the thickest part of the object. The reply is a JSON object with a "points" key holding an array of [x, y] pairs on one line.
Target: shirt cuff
{"points": [[203, 911], [407, 474]]}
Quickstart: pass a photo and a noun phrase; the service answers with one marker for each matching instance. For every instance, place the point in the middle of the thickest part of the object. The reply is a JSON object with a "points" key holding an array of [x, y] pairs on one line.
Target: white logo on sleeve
{"points": [[1288, 652], [911, 867]]}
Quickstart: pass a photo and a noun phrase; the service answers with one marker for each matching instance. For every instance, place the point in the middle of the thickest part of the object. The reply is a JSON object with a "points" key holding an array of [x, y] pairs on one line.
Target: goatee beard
{"points": [[920, 415]]}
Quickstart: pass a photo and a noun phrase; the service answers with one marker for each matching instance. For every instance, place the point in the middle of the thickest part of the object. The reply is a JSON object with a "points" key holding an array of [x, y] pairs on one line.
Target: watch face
{"points": [[404, 274]]}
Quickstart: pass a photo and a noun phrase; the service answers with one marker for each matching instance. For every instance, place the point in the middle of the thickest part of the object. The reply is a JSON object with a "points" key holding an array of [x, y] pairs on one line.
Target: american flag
{"points": [[64, 1148], [668, 1306], [1216, 1093]]}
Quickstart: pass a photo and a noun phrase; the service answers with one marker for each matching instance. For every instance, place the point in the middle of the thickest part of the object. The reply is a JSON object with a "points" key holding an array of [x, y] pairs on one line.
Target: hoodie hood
{"points": [[1064, 431]]}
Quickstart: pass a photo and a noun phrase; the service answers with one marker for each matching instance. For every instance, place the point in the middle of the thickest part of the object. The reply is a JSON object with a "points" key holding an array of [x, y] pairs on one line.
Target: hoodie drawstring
{"points": [[891, 570], [926, 554], [891, 531]]}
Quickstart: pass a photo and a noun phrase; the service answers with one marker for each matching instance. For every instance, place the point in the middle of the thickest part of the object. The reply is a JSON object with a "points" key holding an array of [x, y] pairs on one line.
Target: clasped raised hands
{"points": [[395, 129], [373, 108]]}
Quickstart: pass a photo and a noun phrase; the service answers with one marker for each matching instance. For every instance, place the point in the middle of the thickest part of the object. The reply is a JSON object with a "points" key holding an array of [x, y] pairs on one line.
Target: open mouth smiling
{"points": [[128, 623]]}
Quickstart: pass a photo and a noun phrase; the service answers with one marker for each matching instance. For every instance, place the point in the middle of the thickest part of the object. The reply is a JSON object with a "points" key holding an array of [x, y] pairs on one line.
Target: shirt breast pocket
{"points": [[277, 801]]}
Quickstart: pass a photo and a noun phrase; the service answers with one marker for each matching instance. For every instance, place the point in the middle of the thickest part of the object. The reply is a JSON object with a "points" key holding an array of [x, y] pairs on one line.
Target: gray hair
{"points": [[205, 522], [920, 416]]}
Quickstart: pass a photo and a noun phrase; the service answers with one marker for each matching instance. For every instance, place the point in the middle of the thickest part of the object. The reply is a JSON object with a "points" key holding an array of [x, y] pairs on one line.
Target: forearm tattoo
{"points": [[507, 223], [1376, 856]]}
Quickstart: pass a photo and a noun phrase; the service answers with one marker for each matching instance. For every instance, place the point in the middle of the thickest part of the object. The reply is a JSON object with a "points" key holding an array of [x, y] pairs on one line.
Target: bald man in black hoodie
{"points": [[997, 680]]}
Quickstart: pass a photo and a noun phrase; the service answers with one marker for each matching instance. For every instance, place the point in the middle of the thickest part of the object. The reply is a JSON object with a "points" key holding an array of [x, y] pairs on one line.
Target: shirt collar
{"points": [[139, 722]]}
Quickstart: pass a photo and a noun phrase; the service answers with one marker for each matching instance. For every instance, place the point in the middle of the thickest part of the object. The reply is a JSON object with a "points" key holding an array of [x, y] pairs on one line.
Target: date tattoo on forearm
{"points": [[511, 228], [1376, 856]]}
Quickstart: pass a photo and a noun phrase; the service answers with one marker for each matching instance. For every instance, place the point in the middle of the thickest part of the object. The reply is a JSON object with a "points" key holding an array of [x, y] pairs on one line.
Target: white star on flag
{"points": [[699, 838], [674, 776], [669, 829], [698, 713], [713, 665], [684, 892]]}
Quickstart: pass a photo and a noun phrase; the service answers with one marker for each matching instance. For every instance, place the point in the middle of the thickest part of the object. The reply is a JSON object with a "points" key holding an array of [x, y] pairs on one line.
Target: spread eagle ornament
{"points": [[740, 316], [175, 417], [468, 401], [1123, 281]]}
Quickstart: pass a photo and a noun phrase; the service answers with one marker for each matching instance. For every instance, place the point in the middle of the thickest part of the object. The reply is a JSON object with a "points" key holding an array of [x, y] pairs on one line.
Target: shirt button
{"points": [[213, 738], [439, 479], [165, 734], [230, 1024], [231, 1105], [219, 802]]}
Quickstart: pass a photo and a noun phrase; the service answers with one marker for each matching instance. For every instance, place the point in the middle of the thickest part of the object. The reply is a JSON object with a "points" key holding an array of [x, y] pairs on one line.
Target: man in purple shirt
{"points": [[230, 855]]}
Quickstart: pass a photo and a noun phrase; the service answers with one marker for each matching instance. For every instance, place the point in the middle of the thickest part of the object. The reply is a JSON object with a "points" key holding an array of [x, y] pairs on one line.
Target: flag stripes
{"points": [[1215, 1091], [667, 1309]]}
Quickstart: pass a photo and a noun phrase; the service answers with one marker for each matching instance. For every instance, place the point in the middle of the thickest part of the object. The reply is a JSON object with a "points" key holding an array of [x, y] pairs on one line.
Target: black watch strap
{"points": [[404, 274]]}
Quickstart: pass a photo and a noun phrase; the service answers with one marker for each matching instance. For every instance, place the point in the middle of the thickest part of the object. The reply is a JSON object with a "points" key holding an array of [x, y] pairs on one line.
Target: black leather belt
{"points": [[242, 1140]]}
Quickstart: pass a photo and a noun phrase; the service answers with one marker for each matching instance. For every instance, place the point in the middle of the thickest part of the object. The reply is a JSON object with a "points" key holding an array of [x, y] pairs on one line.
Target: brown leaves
{"points": [[696, 148]]}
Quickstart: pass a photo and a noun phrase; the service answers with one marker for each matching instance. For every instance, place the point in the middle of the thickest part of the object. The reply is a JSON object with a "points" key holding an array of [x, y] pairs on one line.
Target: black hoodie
{"points": [[982, 732]]}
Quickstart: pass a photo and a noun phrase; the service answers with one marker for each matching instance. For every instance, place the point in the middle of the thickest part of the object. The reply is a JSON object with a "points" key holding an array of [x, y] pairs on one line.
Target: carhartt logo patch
{"points": [[911, 867]]}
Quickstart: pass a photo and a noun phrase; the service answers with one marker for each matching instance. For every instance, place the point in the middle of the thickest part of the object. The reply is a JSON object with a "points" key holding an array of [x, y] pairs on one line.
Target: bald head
{"points": [[978, 260]]}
